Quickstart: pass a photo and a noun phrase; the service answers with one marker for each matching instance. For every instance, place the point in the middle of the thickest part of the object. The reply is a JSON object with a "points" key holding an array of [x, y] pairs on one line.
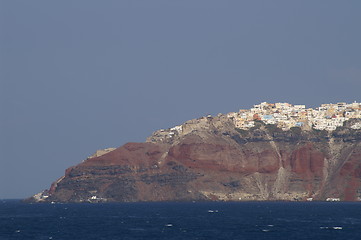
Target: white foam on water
{"points": [[212, 211], [335, 228]]}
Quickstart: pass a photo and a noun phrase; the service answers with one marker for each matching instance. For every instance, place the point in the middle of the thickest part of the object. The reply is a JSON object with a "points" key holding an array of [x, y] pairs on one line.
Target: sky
{"points": [[82, 75]]}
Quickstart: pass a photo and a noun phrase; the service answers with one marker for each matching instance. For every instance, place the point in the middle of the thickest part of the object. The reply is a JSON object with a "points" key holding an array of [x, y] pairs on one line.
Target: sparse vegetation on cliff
{"points": [[242, 132]]}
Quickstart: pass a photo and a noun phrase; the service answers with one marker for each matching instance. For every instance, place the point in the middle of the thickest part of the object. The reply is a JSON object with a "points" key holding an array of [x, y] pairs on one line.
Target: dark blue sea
{"points": [[172, 220]]}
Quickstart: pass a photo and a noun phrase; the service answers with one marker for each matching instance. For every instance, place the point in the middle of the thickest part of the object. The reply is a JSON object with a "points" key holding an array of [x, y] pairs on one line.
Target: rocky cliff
{"points": [[209, 159]]}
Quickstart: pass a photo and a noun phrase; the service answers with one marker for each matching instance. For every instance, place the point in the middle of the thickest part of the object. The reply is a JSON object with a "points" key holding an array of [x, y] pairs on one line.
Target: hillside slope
{"points": [[210, 159]]}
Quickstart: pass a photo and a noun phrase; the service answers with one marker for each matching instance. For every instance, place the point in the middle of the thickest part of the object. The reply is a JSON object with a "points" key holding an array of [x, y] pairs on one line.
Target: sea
{"points": [[181, 220]]}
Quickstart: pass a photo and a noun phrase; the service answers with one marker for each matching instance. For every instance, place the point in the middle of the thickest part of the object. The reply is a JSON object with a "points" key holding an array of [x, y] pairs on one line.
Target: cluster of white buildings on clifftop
{"points": [[326, 117]]}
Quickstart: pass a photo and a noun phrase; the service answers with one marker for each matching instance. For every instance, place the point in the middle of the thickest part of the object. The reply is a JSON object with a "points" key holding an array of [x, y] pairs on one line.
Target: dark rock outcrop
{"points": [[209, 159]]}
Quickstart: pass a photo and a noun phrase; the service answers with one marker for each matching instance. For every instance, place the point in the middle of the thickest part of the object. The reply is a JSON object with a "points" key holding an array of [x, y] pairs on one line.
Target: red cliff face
{"points": [[136, 155], [307, 161], [212, 161], [349, 177]]}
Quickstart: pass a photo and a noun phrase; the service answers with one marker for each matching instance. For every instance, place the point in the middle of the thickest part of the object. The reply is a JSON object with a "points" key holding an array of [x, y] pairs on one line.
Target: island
{"points": [[270, 152]]}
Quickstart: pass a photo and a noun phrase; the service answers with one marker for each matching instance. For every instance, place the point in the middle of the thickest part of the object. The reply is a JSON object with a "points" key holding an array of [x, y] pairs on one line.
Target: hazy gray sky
{"points": [[81, 75]]}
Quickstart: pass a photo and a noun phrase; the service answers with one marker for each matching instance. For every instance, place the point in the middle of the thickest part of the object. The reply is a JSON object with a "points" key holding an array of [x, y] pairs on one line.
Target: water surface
{"points": [[171, 220]]}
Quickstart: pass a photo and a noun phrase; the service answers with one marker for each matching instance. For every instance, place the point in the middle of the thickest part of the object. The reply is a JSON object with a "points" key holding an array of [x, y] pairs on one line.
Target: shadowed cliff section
{"points": [[209, 159]]}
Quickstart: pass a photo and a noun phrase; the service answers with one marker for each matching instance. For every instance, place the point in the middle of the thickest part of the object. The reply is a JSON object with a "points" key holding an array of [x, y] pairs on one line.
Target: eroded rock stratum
{"points": [[210, 159]]}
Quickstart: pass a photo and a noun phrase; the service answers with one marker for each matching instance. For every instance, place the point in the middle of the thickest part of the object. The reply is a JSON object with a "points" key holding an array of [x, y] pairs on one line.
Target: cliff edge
{"points": [[211, 159]]}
